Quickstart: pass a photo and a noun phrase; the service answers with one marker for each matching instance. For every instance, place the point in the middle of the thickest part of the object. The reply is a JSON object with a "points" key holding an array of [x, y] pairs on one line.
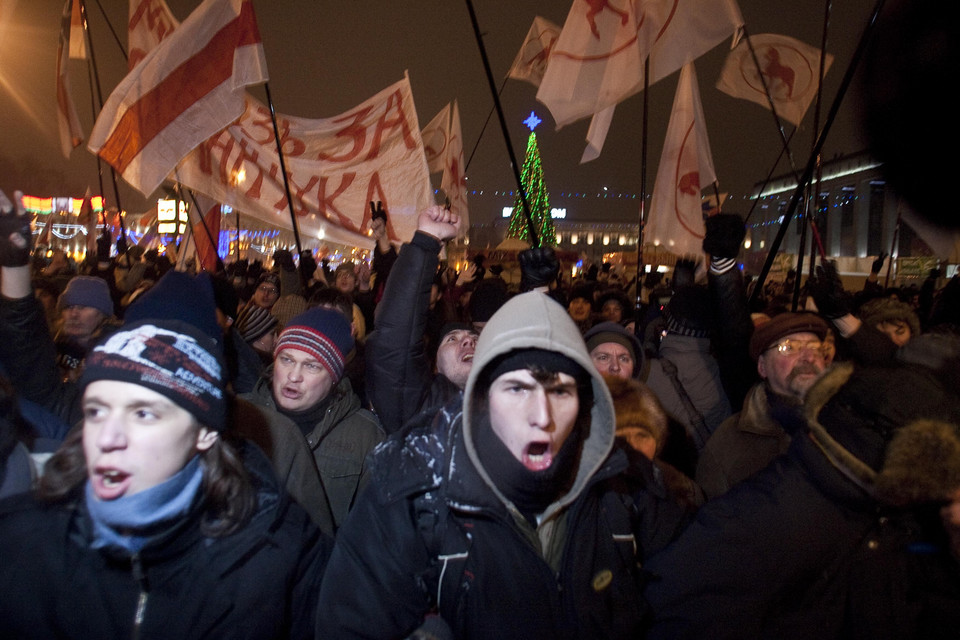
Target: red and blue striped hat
{"points": [[322, 333]]}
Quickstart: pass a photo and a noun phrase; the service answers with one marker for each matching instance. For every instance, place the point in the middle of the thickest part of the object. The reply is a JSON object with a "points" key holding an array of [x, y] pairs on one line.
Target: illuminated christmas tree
{"points": [[531, 175]]}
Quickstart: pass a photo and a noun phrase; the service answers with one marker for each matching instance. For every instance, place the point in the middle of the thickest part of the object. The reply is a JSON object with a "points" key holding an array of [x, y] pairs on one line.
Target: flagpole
{"points": [[96, 76], [203, 222], [821, 139], [766, 180], [283, 168], [821, 72], [643, 193], [535, 240], [773, 107], [484, 128]]}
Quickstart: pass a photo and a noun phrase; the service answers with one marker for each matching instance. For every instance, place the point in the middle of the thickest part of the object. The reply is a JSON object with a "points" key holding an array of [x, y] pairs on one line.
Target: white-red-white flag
{"points": [[790, 68], [150, 22], [206, 231], [71, 133], [598, 60], [186, 89], [531, 61], [332, 174], [675, 219], [436, 137], [454, 182], [78, 36]]}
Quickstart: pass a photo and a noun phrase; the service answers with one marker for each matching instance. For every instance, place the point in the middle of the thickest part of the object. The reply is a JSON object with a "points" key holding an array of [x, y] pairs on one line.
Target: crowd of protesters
{"points": [[399, 450]]}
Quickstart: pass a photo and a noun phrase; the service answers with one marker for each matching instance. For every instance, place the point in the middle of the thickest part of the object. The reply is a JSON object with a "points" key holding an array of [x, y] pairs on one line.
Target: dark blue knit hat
{"points": [[178, 296], [170, 343]]}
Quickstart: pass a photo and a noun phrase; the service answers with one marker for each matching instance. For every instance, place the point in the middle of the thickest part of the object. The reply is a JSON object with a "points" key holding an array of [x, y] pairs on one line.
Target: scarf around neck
{"points": [[130, 522]]}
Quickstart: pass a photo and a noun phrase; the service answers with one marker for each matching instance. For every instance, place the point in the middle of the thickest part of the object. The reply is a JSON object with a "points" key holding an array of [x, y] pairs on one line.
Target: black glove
{"points": [[16, 239], [724, 234], [878, 263], [121, 245], [828, 293], [103, 246], [538, 267]]}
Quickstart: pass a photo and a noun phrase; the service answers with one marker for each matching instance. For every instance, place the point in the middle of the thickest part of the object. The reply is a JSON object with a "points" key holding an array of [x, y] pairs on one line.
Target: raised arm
{"points": [[398, 369]]}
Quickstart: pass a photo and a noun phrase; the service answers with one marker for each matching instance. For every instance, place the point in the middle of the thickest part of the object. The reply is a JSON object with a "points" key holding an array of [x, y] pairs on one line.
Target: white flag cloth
{"points": [[335, 166], [790, 68], [78, 40], [332, 176], [675, 220], [531, 61], [186, 89], [598, 60], [71, 133], [454, 182], [150, 21], [205, 223], [436, 139]]}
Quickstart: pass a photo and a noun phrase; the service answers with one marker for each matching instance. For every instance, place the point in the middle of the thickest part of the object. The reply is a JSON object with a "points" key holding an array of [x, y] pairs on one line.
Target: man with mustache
{"points": [[791, 355]]}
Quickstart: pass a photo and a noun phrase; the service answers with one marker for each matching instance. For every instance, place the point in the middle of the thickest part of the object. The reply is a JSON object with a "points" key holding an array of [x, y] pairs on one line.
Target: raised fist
{"points": [[538, 268]]}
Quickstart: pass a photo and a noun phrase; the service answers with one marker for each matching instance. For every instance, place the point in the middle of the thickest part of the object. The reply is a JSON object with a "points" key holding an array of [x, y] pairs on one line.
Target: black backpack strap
{"points": [[447, 546], [700, 432]]}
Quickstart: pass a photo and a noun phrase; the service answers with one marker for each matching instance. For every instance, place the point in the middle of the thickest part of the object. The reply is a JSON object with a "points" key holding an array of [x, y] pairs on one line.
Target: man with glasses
{"points": [[791, 354], [267, 292]]}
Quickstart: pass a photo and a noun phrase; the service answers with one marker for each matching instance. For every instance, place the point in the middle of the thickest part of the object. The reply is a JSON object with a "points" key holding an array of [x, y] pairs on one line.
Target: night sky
{"points": [[326, 57]]}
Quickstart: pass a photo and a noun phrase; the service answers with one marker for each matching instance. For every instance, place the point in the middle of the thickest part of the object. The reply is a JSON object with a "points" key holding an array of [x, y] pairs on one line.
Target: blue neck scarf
{"points": [[124, 522]]}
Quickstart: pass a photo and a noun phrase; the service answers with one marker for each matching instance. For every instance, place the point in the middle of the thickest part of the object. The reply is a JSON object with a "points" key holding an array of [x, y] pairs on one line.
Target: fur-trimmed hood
{"points": [[903, 423]]}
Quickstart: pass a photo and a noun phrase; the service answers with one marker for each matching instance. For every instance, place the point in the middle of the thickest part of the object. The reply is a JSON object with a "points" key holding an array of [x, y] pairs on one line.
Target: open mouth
{"points": [[113, 478], [110, 483], [537, 456]]}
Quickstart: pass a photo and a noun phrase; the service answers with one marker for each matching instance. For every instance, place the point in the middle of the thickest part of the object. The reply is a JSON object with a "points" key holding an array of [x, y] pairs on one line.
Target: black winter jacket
{"points": [[428, 514], [799, 551], [399, 381], [260, 582]]}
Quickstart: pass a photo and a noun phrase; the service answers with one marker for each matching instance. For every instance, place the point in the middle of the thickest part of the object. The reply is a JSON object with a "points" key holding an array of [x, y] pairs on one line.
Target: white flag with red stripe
{"points": [[531, 61], [790, 68], [71, 133], [436, 138], [186, 89], [206, 231], [675, 220]]}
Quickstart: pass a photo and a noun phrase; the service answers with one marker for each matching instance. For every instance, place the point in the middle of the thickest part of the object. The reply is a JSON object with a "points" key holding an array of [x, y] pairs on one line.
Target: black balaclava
{"points": [[531, 491]]}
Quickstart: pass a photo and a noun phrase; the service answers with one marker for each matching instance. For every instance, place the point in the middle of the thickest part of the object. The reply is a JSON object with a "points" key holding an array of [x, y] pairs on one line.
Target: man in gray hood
{"points": [[511, 515]]}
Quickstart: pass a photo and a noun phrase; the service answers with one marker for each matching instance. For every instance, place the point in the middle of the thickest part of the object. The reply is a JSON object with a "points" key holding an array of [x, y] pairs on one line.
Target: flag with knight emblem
{"points": [[675, 219], [790, 68], [531, 61], [435, 139]]}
